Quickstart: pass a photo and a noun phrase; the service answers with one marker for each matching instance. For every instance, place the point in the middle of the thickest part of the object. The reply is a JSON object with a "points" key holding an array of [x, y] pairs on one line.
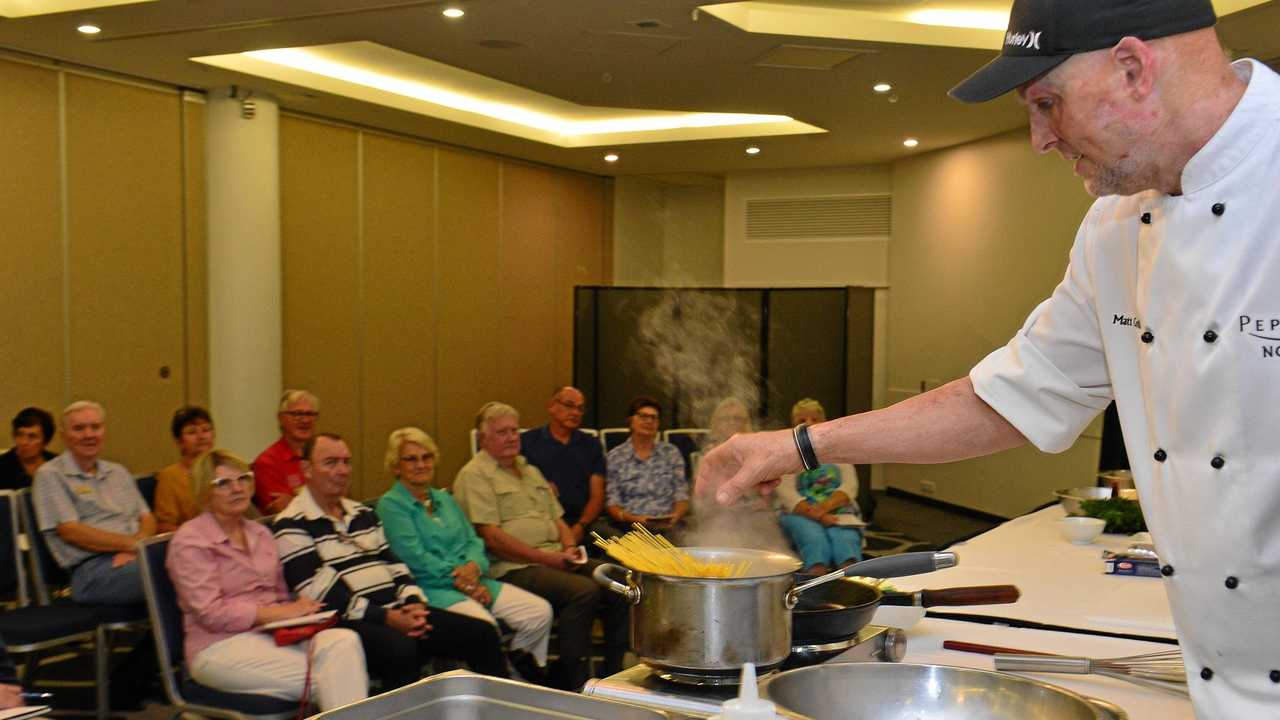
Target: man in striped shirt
{"points": [[333, 550]]}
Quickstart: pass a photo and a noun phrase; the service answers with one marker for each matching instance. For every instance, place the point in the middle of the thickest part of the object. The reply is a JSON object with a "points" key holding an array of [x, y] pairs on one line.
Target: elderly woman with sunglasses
{"points": [[429, 533], [229, 580]]}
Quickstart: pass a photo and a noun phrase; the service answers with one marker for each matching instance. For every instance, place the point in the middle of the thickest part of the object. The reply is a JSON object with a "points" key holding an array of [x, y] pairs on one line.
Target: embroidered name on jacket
{"points": [[1126, 321], [1263, 328]]}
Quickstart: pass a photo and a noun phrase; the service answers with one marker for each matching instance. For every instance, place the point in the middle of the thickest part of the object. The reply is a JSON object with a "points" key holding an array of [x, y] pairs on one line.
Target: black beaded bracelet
{"points": [[804, 446]]}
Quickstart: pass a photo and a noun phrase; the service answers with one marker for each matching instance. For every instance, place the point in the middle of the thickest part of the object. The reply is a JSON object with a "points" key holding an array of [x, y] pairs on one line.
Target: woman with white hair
{"points": [[229, 580], [430, 534], [820, 514]]}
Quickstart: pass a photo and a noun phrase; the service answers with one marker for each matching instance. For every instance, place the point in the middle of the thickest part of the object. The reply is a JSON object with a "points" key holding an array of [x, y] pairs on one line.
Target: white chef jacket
{"points": [[1171, 305]]}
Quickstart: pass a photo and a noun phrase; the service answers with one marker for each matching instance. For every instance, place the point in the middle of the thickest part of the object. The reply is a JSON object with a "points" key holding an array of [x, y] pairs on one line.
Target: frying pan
{"points": [[839, 609]]}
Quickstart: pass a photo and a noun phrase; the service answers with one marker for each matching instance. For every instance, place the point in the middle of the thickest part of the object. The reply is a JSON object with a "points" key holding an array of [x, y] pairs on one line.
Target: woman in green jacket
{"points": [[430, 533]]}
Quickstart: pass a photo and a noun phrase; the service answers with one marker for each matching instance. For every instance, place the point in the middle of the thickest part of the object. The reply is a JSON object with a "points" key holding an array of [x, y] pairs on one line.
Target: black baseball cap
{"points": [[1044, 33]]}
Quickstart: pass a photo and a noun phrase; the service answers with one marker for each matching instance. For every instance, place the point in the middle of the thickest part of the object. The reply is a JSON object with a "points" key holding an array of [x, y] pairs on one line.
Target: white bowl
{"points": [[1082, 530]]}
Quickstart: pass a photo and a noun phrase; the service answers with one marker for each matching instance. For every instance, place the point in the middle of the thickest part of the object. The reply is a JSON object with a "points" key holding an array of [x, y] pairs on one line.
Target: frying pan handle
{"points": [[975, 595], [630, 591], [882, 567]]}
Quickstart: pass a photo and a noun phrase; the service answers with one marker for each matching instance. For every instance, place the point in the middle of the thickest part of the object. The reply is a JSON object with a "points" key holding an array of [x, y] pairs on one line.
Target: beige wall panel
{"points": [[31, 243], [981, 236], [125, 234], [526, 272], [399, 279], [582, 252], [469, 349], [197, 253], [320, 262]]}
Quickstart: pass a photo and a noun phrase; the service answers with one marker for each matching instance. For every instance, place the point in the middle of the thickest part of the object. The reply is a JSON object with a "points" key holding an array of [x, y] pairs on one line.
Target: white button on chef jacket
{"points": [[1171, 306]]}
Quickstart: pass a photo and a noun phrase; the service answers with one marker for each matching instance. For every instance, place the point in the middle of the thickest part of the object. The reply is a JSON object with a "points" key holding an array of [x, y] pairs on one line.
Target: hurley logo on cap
{"points": [[1027, 40]]}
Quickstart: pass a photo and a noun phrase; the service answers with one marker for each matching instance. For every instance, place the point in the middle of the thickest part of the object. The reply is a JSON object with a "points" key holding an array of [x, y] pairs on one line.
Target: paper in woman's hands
{"points": [[295, 621]]}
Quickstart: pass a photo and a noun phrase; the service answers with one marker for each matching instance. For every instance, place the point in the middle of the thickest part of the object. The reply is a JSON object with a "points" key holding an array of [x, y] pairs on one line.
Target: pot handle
{"points": [[888, 566], [630, 591]]}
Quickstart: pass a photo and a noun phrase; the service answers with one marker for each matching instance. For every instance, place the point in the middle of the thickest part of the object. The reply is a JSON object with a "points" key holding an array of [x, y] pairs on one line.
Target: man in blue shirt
{"points": [[571, 460]]}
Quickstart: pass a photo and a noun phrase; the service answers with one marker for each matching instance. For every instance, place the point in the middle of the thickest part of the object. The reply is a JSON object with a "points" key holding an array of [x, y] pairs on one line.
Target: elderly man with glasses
{"points": [[278, 470], [571, 460], [519, 518]]}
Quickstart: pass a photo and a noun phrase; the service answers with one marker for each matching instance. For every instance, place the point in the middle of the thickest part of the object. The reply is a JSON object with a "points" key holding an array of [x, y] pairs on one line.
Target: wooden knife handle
{"points": [[975, 595], [985, 649]]}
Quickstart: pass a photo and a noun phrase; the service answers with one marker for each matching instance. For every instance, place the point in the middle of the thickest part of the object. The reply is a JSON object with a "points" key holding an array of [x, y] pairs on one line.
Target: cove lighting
{"points": [[88, 29], [453, 12], [910, 142], [611, 157], [385, 76], [975, 19], [882, 87]]}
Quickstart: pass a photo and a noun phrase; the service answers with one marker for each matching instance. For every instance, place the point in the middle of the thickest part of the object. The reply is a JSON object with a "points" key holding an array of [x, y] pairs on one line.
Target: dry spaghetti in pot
{"points": [[646, 552]]}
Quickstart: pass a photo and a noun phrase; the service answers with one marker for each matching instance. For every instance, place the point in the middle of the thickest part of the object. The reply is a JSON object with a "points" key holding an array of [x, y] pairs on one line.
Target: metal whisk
{"points": [[1159, 670]]}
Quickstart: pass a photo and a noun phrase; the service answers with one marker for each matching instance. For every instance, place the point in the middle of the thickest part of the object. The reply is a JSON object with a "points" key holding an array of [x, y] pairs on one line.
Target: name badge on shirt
{"points": [[83, 490]]}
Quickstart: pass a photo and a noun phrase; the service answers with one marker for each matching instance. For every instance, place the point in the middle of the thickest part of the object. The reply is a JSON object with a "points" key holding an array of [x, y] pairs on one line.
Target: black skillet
{"points": [[837, 610]]}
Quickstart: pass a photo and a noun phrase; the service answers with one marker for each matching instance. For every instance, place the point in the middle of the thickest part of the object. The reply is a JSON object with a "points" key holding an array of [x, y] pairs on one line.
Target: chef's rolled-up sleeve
{"points": [[1051, 379]]}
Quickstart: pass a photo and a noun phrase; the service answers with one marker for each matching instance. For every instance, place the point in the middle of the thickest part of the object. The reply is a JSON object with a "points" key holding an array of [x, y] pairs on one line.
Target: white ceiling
{"points": [[637, 54]]}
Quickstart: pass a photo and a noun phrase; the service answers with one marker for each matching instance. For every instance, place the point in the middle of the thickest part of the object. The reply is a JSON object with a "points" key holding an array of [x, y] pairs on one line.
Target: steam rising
{"points": [[705, 346]]}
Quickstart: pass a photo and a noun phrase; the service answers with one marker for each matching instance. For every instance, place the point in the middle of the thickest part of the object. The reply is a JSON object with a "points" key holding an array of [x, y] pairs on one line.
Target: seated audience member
{"points": [[646, 482], [229, 580], [729, 418], [517, 514], [175, 503], [427, 530], [335, 552], [571, 460], [91, 513], [814, 502], [277, 471], [32, 432], [10, 690], [810, 412]]}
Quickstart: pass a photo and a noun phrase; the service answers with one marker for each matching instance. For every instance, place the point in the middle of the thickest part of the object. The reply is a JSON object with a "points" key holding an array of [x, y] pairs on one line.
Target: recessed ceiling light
{"points": [[611, 157], [882, 87], [453, 12], [753, 150], [88, 29], [910, 142]]}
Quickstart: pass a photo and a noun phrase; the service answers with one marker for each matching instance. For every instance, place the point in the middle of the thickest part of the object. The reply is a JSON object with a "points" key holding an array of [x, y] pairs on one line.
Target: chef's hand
{"points": [[578, 533], [747, 463]]}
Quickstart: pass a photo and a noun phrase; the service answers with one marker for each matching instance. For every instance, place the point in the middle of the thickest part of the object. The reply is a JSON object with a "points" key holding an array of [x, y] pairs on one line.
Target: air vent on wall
{"points": [[828, 217]]}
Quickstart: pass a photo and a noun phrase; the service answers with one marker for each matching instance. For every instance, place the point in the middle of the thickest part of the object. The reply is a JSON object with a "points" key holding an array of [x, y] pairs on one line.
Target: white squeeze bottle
{"points": [[748, 705]]}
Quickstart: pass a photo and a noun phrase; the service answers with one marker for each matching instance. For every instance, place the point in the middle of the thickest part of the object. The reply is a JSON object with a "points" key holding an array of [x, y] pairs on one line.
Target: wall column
{"points": [[245, 301]]}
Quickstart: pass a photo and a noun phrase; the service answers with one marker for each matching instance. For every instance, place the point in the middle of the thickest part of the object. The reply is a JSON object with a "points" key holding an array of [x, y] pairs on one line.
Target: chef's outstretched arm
{"points": [[945, 424]]}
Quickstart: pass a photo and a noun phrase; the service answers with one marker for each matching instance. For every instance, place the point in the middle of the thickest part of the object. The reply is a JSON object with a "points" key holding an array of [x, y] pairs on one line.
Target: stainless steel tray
{"points": [[462, 695]]}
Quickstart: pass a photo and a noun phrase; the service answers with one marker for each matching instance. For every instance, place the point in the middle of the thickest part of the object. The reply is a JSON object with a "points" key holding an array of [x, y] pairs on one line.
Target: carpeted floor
{"points": [[902, 524]]}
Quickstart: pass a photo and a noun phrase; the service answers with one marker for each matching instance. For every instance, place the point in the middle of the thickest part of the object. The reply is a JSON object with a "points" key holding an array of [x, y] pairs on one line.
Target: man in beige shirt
{"points": [[519, 518]]}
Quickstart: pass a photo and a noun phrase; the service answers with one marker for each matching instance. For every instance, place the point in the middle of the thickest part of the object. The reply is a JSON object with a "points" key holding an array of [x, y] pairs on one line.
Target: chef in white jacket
{"points": [[1170, 306]]}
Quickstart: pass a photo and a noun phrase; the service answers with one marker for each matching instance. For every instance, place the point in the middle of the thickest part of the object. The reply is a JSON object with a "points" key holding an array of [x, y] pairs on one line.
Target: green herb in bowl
{"points": [[1122, 516]]}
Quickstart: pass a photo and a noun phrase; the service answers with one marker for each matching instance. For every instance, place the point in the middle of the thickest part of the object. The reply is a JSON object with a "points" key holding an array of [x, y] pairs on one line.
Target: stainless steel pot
{"points": [[710, 626], [898, 691]]}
